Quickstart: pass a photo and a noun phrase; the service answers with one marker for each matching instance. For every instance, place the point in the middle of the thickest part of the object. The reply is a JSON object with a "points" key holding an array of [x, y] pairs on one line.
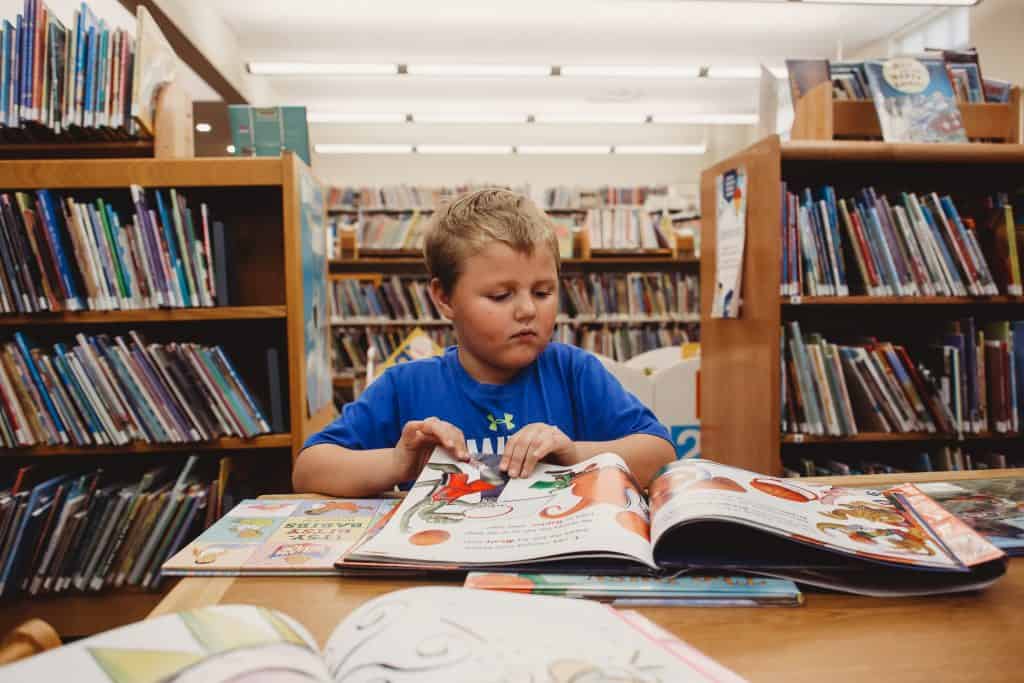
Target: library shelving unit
{"points": [[818, 116], [740, 361], [276, 271], [373, 266]]}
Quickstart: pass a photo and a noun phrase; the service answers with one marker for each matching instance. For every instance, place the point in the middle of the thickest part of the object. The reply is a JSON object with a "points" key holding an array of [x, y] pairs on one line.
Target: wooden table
{"points": [[833, 637]]}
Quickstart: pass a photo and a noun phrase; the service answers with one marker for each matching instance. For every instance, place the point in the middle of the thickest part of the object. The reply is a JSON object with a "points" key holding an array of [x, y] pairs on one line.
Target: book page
{"points": [[220, 643], [472, 514], [445, 634], [862, 522]]}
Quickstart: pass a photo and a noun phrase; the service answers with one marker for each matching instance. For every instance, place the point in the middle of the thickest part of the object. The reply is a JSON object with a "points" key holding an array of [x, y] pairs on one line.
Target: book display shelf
{"points": [[741, 384], [818, 116], [273, 232]]}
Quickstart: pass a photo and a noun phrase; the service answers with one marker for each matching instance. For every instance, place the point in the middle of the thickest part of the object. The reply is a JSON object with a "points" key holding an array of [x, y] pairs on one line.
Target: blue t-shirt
{"points": [[565, 386]]}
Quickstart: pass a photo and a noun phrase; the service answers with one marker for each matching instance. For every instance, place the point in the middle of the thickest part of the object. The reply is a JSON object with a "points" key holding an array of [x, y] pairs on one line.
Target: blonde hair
{"points": [[471, 222]]}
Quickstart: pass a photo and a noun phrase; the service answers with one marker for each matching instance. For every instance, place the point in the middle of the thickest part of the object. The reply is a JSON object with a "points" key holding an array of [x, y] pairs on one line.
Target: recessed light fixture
{"points": [[320, 69], [203, 127], [563, 149], [230, 149]]}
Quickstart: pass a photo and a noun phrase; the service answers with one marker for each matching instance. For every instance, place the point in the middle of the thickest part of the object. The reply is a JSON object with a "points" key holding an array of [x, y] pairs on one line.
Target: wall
{"points": [[538, 171], [996, 30]]}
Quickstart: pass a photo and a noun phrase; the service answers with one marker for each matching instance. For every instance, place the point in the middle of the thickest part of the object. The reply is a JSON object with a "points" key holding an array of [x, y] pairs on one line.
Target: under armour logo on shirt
{"points": [[493, 422]]}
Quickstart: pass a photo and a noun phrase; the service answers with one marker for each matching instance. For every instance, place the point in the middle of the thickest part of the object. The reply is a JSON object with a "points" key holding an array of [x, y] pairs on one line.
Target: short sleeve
{"points": [[606, 410], [371, 421]]}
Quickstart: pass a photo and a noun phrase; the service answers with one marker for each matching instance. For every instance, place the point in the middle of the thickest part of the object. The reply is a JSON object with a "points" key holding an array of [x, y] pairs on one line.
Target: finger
{"points": [[519, 453], [540, 446], [448, 436]]}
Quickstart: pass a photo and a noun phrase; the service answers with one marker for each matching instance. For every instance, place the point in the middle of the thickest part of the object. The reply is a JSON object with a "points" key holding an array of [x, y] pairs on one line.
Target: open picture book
{"points": [[592, 518], [428, 634]]}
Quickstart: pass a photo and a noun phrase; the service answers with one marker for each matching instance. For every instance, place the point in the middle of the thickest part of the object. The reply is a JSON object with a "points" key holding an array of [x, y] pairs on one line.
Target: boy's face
{"points": [[503, 307]]}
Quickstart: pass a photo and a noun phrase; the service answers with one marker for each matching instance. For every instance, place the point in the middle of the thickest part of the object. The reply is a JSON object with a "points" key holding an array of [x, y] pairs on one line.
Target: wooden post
{"points": [[175, 131]]}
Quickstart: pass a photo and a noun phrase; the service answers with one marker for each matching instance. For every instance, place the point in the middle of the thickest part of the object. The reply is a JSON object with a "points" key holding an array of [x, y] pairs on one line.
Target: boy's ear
{"points": [[442, 301]]}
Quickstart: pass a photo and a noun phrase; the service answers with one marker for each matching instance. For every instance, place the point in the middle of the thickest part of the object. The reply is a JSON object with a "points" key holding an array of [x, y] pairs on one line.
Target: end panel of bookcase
{"points": [[310, 388], [739, 387]]}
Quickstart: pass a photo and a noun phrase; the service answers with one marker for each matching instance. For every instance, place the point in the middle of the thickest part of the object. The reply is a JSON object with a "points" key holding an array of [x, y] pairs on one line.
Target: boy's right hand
{"points": [[418, 440]]}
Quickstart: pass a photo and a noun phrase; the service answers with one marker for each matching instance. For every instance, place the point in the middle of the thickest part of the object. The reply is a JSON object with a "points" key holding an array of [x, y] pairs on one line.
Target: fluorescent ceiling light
{"points": [[203, 127], [589, 117], [464, 149], [563, 149], [355, 117], [320, 69], [479, 117], [361, 149], [638, 71], [713, 119], [662, 149], [944, 3], [742, 72], [462, 70]]}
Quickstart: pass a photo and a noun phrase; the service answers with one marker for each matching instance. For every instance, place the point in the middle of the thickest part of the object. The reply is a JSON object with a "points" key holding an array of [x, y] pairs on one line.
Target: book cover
{"points": [[697, 590], [293, 536], [992, 507], [914, 100]]}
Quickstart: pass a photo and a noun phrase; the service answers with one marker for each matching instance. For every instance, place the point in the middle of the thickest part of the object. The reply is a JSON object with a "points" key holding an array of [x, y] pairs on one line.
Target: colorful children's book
{"points": [[591, 518], [436, 634], [992, 507], [914, 100], [697, 591], [279, 536]]}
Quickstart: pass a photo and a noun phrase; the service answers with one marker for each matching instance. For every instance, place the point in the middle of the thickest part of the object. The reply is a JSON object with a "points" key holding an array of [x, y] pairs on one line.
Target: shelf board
{"points": [[83, 614], [343, 381], [901, 300], [76, 150], [887, 152], [157, 315], [407, 258], [64, 174], [283, 440], [561, 320], [880, 437]]}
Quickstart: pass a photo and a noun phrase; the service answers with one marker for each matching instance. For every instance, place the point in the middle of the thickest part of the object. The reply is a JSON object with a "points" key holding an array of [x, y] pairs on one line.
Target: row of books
{"points": [[95, 530], [916, 245], [349, 350], [403, 196], [65, 77], [621, 343], [113, 391], [940, 459], [969, 382], [627, 229], [58, 253], [595, 297], [650, 197], [622, 296], [383, 231]]}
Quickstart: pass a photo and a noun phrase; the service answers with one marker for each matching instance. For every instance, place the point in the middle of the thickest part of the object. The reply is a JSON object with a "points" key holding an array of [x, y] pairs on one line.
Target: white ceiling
{"points": [[724, 33]]}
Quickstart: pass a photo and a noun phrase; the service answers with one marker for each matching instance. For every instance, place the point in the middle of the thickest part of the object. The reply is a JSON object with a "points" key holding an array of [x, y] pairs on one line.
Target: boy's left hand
{"points": [[533, 443]]}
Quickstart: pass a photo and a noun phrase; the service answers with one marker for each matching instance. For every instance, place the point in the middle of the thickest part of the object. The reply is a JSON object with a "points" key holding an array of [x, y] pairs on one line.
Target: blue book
{"points": [[40, 494], [914, 100], [27, 44], [237, 380], [89, 95], [829, 195], [959, 285], [5, 75], [78, 395], [26, 353], [49, 215], [172, 247]]}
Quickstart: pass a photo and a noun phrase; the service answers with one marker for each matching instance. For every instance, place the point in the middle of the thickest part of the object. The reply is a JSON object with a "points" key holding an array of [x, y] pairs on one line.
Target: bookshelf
{"points": [[818, 116], [358, 264], [740, 365], [274, 228]]}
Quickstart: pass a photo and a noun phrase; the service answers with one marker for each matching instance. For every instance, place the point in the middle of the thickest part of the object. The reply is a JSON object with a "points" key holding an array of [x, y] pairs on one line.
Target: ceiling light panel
{"points": [[327, 148], [320, 69], [478, 70], [637, 71]]}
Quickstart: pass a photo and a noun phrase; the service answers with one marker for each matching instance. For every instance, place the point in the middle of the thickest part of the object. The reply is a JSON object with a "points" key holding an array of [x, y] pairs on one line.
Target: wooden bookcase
{"points": [[273, 275], [817, 116], [740, 358], [360, 264]]}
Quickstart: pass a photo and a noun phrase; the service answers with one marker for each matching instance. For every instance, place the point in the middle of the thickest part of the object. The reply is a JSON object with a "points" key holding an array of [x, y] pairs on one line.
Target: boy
{"points": [[493, 261]]}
